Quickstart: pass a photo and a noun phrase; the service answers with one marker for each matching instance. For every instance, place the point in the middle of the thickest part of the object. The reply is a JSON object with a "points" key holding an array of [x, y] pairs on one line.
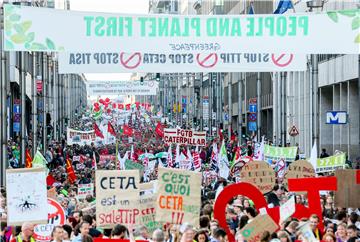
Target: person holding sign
{"points": [[26, 235]]}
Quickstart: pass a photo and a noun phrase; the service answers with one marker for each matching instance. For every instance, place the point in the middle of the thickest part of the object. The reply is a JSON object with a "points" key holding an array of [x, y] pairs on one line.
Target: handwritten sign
{"points": [[253, 231], [147, 205], [84, 190], [287, 209], [185, 137], [259, 174], [117, 196], [178, 196], [299, 169]]}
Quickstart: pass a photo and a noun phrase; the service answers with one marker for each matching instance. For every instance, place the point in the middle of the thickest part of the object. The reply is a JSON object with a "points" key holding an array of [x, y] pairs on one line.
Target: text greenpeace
{"points": [[306, 33], [104, 62], [185, 137]]}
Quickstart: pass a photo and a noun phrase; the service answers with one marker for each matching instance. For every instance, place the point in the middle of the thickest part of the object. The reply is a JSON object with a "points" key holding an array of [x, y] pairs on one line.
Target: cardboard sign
{"points": [[84, 190], [91, 32], [184, 137], [253, 231], [276, 153], [147, 205], [331, 163], [107, 159], [80, 137], [259, 174], [299, 169], [287, 209], [238, 165], [348, 192], [56, 216], [178, 196], [26, 196], [117, 198]]}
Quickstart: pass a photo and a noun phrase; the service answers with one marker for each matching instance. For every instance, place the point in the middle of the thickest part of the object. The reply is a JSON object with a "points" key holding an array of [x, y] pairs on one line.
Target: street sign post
{"points": [[293, 131], [336, 117]]}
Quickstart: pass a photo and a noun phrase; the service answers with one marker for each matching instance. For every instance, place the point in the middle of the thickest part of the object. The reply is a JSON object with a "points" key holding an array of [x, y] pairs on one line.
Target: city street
{"points": [[180, 120]]}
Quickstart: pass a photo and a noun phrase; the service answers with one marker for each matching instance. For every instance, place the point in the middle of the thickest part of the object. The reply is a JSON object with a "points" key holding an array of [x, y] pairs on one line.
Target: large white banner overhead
{"points": [[44, 29], [105, 62], [96, 88]]}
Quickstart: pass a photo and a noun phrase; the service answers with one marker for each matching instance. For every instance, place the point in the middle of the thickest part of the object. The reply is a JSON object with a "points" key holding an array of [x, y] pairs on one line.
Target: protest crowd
{"points": [[77, 178]]}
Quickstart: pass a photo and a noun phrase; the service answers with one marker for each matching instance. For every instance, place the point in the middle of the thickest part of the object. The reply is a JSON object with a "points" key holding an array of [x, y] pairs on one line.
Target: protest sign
{"points": [[299, 169], [259, 174], [253, 231], [238, 165], [178, 196], [117, 198], [185, 137], [84, 190], [96, 88], [331, 163], [273, 153], [26, 196], [148, 186], [90, 32], [107, 159], [80, 137], [56, 216], [307, 232], [348, 189], [163, 62], [147, 218], [287, 209]]}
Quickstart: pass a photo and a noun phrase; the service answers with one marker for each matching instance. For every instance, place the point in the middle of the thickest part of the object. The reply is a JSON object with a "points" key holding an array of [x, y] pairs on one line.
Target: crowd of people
{"points": [[340, 224]]}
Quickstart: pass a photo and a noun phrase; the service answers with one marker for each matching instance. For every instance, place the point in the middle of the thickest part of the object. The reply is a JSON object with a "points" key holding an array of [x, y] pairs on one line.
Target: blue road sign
{"points": [[336, 117], [252, 126], [252, 108]]}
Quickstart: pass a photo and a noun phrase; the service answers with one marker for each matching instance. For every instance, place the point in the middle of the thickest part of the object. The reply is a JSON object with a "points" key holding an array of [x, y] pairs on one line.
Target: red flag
{"points": [[28, 159], [98, 132], [111, 129], [127, 106], [50, 180], [221, 134], [127, 130], [159, 129], [197, 162], [70, 171]]}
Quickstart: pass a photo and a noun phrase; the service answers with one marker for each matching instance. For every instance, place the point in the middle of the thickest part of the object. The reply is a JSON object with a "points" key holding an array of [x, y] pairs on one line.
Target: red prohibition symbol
{"points": [[130, 61], [282, 60], [209, 60]]}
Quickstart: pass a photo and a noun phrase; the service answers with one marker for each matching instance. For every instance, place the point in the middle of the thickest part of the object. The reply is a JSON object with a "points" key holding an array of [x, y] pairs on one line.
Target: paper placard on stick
{"points": [[178, 196], [348, 191], [117, 198], [287, 209], [26, 196], [84, 190], [92, 32], [299, 169], [260, 174], [185, 137], [254, 230], [276, 153]]}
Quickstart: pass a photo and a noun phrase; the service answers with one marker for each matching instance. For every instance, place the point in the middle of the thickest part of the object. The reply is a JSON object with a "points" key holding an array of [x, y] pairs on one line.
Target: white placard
{"points": [[86, 32], [185, 137], [287, 209], [80, 137], [26, 196], [84, 190]]}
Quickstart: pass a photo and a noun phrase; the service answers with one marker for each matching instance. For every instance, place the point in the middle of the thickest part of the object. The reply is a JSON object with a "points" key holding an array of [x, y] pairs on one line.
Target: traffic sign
{"points": [[252, 126], [252, 117], [252, 108], [293, 131], [336, 117]]}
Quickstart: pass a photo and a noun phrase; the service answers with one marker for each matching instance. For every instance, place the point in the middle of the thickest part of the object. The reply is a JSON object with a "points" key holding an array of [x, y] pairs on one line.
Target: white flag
{"points": [[313, 156]]}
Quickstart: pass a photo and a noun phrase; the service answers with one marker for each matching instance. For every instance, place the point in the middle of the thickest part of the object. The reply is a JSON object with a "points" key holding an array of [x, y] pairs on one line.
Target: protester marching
{"points": [[124, 173]]}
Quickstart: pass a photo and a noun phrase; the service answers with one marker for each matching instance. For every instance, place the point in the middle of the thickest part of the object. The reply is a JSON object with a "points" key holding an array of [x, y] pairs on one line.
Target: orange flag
{"points": [[70, 171], [28, 159]]}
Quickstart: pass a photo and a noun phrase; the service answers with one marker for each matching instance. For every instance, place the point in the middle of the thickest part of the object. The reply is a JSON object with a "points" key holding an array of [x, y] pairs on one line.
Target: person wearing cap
{"points": [[238, 208]]}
